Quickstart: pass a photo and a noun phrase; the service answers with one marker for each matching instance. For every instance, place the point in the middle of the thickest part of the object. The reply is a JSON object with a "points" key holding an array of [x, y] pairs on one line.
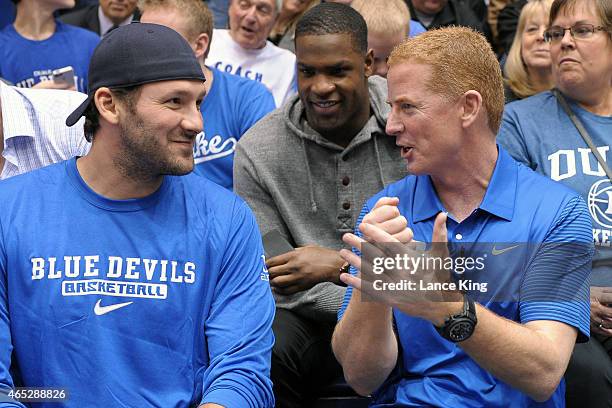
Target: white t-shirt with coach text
{"points": [[270, 65]]}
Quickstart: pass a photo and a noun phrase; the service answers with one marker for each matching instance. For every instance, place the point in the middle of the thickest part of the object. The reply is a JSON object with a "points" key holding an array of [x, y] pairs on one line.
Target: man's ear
{"points": [[471, 102], [201, 45], [106, 103], [369, 63]]}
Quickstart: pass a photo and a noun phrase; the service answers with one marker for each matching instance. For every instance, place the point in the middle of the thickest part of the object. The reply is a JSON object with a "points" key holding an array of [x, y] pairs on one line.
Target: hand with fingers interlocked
{"points": [[385, 234], [303, 268]]}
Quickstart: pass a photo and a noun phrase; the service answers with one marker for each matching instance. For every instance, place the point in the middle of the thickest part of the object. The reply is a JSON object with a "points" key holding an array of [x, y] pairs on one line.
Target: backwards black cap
{"points": [[137, 54]]}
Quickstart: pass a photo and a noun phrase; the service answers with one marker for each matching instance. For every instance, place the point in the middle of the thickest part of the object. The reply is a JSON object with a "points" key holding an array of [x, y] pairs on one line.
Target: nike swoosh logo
{"points": [[496, 251], [101, 310]]}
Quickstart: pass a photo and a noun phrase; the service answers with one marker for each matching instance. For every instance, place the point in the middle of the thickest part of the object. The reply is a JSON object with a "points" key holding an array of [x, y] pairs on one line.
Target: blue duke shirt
{"points": [[26, 62], [162, 301], [538, 133], [230, 108], [519, 206]]}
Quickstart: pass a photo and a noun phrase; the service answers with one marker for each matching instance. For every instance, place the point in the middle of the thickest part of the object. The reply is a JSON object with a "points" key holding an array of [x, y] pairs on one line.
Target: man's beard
{"points": [[141, 156]]}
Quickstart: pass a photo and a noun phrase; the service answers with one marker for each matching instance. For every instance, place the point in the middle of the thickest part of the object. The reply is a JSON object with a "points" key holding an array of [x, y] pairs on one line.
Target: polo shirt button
{"points": [[345, 181], [346, 205], [459, 236]]}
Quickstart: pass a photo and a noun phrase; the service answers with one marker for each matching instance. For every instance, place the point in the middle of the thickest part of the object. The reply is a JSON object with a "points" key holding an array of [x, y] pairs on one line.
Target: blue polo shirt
{"points": [[519, 206]]}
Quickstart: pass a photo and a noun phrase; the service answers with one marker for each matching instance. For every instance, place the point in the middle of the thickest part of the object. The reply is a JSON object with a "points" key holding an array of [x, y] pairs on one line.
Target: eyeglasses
{"points": [[580, 31]]}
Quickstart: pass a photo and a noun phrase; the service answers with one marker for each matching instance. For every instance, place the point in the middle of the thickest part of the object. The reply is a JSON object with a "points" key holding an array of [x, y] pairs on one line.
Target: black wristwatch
{"points": [[461, 326]]}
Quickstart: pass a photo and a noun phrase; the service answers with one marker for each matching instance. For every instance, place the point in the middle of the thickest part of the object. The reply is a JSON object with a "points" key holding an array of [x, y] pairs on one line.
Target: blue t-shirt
{"points": [[537, 132], [232, 106], [26, 62], [162, 301], [7, 13], [519, 206]]}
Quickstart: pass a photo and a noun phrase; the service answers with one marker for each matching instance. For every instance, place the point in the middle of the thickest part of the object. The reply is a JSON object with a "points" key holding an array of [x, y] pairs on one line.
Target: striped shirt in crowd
{"points": [[35, 133]]}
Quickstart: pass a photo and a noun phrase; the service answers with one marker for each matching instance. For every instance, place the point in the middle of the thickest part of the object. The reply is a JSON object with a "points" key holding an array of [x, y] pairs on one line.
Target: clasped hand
{"points": [[303, 268], [385, 225]]}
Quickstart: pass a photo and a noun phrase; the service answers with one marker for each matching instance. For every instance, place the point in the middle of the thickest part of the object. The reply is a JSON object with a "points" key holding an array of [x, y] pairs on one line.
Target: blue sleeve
{"points": [[349, 290], [256, 107], [512, 138], [556, 284], [416, 28], [239, 327], [6, 343]]}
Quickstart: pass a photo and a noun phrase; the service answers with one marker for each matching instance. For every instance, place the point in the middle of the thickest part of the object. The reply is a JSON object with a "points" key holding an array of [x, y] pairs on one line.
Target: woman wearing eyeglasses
{"points": [[540, 132], [527, 69]]}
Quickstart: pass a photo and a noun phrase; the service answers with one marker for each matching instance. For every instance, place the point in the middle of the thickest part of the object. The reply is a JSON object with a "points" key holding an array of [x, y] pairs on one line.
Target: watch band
{"points": [[460, 327]]}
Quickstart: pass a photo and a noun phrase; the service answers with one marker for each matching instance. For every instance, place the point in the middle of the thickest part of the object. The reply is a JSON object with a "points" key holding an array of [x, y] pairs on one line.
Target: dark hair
{"points": [[128, 95], [334, 18], [15, 1]]}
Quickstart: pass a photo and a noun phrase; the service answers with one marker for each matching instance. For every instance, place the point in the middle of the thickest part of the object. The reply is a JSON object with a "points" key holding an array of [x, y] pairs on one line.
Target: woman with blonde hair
{"points": [[528, 67], [283, 32]]}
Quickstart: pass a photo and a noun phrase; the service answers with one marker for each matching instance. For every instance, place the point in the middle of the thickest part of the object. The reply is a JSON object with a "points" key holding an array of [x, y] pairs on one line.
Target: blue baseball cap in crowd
{"points": [[136, 54]]}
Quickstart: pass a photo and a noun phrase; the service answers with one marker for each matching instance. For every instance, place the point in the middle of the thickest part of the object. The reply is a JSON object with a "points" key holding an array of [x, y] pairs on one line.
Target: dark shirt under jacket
{"points": [[467, 13], [507, 21], [88, 18]]}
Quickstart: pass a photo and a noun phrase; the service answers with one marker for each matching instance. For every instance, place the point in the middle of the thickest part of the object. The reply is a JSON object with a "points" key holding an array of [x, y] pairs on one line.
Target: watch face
{"points": [[461, 330]]}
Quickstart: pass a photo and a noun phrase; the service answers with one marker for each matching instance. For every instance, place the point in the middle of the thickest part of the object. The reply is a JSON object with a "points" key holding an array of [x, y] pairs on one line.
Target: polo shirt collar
{"points": [[426, 202], [16, 118], [499, 199]]}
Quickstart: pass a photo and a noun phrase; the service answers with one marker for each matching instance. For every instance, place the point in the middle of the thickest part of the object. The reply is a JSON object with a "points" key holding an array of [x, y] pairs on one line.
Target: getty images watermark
{"points": [[415, 263], [488, 271]]}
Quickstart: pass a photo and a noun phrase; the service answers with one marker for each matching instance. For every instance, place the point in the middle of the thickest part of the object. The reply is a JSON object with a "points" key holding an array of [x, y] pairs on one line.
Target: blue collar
{"points": [[499, 199]]}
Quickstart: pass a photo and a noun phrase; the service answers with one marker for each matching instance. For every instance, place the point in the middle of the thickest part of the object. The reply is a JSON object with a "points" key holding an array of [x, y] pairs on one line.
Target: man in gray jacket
{"points": [[305, 170]]}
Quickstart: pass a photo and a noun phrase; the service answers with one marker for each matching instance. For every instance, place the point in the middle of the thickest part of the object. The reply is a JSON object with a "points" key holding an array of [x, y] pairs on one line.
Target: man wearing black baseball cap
{"points": [[122, 284]]}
